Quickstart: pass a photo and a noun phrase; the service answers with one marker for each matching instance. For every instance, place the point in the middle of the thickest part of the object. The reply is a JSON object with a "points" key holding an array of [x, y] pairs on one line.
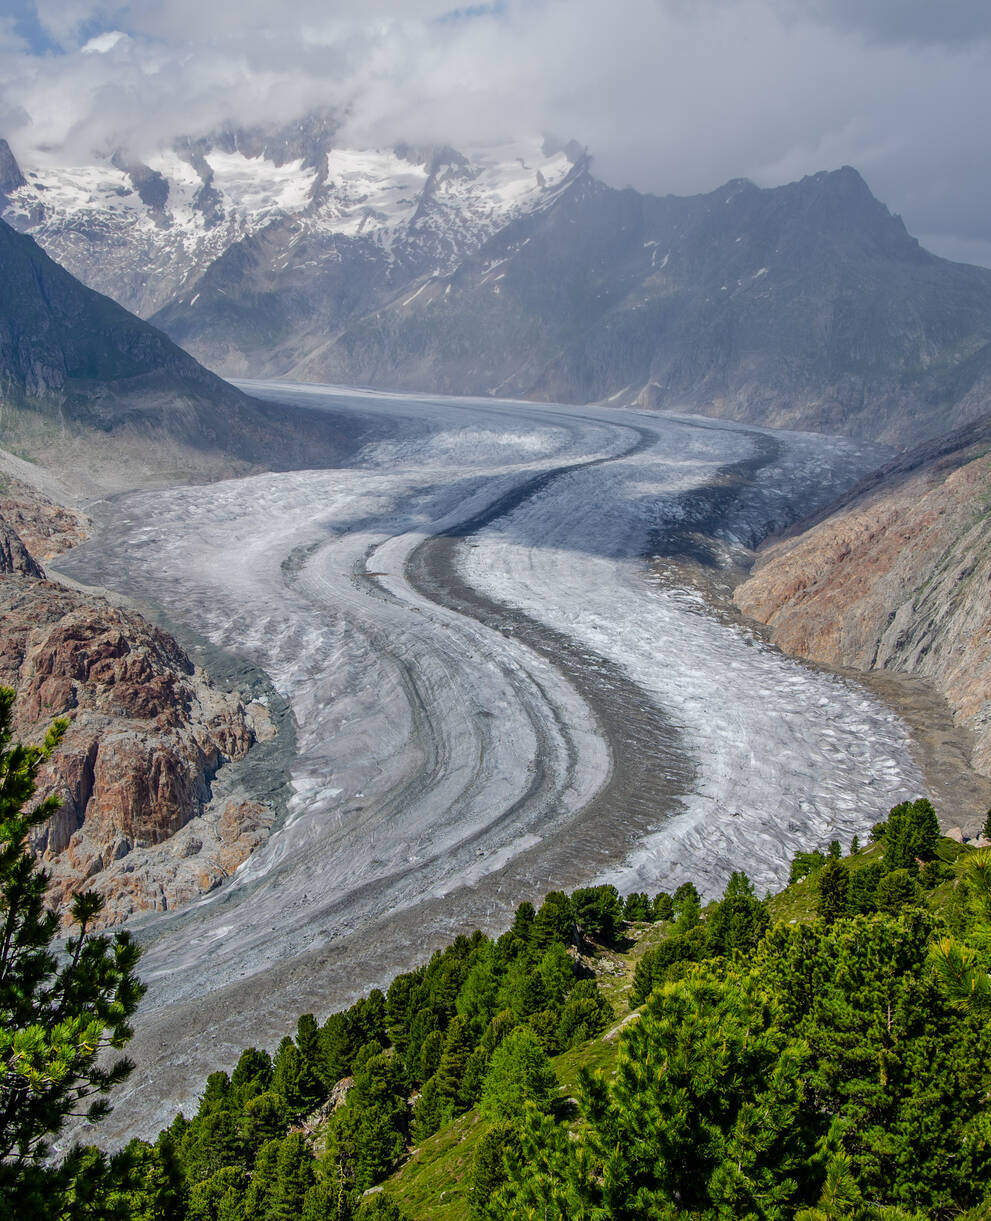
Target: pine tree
{"points": [[488, 1166], [586, 1013], [450, 1074], [58, 1018], [557, 972], [598, 912], [553, 922], [663, 906], [702, 1120], [739, 920], [369, 1133], [832, 887], [518, 1073], [913, 831], [294, 1080], [294, 1176]]}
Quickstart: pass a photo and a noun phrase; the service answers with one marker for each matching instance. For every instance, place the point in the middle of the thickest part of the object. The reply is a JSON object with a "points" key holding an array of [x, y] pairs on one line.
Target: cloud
{"points": [[669, 95], [102, 43]]}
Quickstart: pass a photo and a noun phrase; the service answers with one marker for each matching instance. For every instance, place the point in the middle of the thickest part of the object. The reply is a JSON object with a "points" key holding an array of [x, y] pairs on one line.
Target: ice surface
{"points": [[787, 757], [457, 756]]}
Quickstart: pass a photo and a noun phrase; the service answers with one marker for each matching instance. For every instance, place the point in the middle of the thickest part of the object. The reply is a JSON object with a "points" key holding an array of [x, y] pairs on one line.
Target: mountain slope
{"points": [[514, 271], [804, 306], [897, 577], [86, 385]]}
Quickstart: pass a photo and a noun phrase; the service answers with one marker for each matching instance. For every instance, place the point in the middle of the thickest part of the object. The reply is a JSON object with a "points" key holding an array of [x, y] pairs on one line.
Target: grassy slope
{"points": [[432, 1185]]}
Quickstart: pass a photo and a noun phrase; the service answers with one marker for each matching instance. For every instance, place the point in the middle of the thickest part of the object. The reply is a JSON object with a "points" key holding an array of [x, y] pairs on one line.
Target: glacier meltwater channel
{"points": [[493, 695]]}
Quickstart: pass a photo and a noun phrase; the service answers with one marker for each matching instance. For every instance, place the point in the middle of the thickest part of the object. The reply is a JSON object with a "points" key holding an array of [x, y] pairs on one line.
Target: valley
{"points": [[494, 694]]}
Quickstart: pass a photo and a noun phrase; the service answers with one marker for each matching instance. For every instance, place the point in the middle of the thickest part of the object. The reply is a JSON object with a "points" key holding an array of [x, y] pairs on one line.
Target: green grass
{"points": [[434, 1182]]}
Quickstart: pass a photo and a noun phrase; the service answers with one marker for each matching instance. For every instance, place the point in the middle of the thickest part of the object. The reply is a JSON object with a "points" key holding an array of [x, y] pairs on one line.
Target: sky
{"points": [[669, 96]]}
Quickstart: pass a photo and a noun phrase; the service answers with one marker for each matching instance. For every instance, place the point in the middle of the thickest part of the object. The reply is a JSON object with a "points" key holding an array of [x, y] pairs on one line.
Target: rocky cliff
{"points": [[44, 527], [897, 577], [14, 556], [147, 734]]}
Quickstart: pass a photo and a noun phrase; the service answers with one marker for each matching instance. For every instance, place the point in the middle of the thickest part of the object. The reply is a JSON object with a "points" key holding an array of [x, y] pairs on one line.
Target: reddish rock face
{"points": [[147, 733], [897, 578], [46, 528]]}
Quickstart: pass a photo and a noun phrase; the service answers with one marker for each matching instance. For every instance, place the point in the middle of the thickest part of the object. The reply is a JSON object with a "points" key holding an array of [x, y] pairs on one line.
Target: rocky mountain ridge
{"points": [[516, 272], [896, 577], [43, 527]]}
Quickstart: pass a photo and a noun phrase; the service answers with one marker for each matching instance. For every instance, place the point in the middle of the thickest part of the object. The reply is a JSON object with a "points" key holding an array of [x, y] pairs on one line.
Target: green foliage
{"points": [[519, 1072], [737, 923], [294, 1080], [805, 864], [264, 1117], [912, 834], [557, 974], [252, 1075], [220, 1197], [379, 1208], [59, 1019], [837, 1068], [890, 1054], [895, 890], [638, 908], [862, 889], [714, 1134], [658, 965], [832, 887], [597, 912], [687, 908], [488, 1167], [154, 1189], [554, 921], [586, 1013], [663, 906]]}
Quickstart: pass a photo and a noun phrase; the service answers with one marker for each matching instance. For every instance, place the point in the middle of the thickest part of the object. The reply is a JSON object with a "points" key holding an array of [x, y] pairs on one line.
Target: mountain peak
{"points": [[11, 177]]}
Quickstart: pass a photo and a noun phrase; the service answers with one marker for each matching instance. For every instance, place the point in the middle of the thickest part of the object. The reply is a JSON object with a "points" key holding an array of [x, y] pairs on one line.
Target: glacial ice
{"points": [[451, 764]]}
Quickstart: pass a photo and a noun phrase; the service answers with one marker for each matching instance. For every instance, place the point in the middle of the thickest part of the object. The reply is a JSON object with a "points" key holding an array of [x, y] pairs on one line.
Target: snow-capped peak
{"points": [[142, 230]]}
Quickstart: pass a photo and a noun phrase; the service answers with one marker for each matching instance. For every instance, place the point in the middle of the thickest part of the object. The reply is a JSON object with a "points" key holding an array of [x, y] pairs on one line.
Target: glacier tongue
{"points": [[492, 697]]}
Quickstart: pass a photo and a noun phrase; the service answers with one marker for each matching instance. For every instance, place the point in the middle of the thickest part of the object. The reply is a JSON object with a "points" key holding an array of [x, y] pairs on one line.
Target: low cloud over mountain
{"points": [[669, 96]]}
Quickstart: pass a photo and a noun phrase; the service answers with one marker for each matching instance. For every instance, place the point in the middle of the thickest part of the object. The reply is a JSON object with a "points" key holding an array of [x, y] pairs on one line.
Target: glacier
{"points": [[496, 693]]}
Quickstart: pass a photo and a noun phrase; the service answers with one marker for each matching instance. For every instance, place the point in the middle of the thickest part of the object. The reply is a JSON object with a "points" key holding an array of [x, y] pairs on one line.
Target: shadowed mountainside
{"points": [[87, 388], [515, 272]]}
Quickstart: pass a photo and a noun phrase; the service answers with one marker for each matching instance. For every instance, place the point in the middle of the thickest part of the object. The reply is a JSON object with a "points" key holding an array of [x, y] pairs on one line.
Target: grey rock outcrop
{"points": [[11, 178], [14, 556]]}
